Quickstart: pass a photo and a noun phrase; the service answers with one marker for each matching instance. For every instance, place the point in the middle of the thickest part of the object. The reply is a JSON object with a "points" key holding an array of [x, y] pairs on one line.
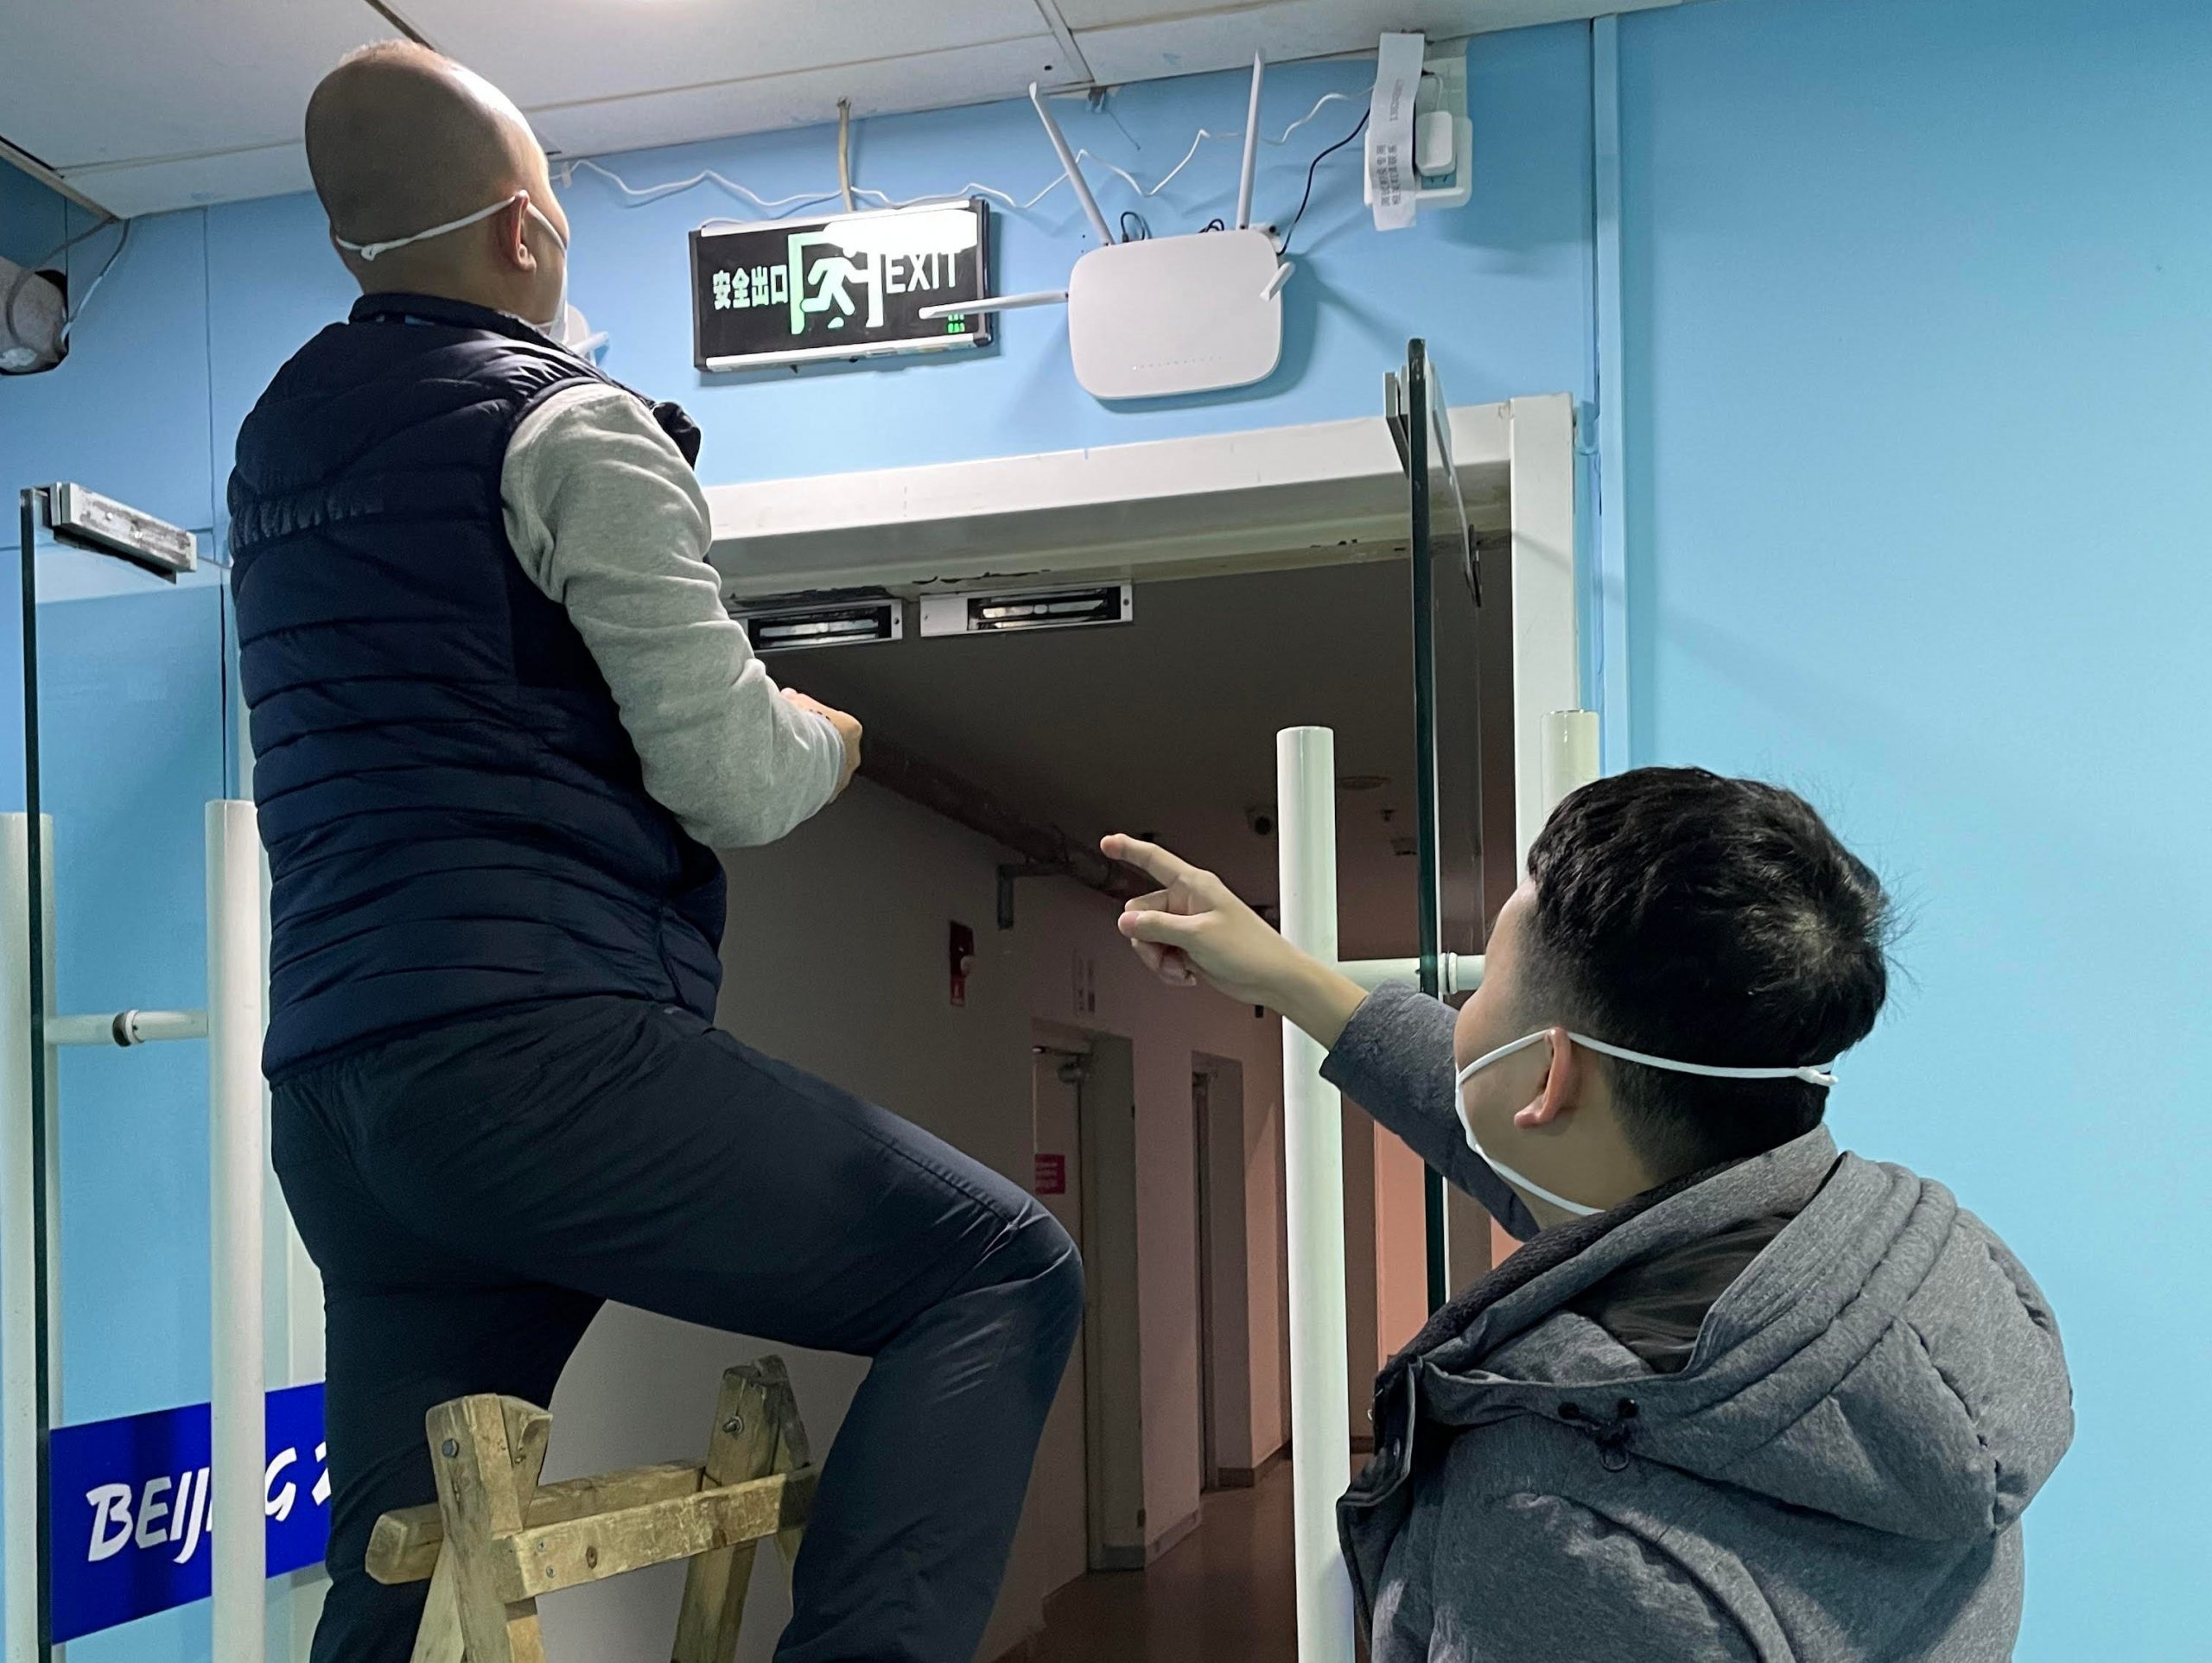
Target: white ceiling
{"points": [[141, 105]]}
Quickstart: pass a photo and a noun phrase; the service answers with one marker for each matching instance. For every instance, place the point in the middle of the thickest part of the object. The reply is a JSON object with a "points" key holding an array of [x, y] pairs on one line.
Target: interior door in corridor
{"points": [[1062, 1513]]}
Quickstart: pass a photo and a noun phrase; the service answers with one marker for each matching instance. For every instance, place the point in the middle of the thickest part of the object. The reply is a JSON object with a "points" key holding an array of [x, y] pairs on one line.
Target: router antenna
{"points": [[1251, 150], [1074, 173]]}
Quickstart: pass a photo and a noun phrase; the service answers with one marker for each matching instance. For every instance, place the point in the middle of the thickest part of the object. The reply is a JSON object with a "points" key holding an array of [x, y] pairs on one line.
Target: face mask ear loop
{"points": [[1812, 1075], [368, 251], [1506, 1050], [1526, 1185]]}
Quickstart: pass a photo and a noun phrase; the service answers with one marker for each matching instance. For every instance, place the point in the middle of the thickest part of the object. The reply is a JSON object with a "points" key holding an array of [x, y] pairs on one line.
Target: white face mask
{"points": [[1810, 1075], [554, 328]]}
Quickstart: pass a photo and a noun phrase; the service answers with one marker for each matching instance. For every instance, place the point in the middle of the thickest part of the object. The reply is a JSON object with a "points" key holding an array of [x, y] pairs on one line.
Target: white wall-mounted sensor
{"points": [[1419, 151], [1432, 146], [1161, 316]]}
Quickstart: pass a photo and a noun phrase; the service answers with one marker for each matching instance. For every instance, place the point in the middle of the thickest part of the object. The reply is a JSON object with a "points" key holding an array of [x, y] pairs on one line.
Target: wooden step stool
{"points": [[497, 1539]]}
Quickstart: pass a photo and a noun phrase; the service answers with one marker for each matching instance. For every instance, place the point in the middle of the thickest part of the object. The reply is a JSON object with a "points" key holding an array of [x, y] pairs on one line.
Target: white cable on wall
{"points": [[637, 195], [106, 266]]}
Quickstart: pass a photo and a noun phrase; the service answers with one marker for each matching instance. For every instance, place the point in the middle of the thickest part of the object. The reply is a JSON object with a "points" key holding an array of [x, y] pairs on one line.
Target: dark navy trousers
{"points": [[472, 1195]]}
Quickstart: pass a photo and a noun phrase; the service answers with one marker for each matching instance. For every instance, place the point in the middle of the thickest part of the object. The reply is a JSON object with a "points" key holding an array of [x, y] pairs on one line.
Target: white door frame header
{"points": [[1321, 493]]}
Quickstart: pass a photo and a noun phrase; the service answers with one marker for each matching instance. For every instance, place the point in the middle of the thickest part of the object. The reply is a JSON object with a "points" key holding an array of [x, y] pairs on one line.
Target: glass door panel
{"points": [[1447, 659], [119, 737]]}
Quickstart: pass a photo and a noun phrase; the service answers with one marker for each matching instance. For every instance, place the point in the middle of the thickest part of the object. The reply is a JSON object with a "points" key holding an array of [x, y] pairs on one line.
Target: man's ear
{"points": [[509, 224], [1562, 1083]]}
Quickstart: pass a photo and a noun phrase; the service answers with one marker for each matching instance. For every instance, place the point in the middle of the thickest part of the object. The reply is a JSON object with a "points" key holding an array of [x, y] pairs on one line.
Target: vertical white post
{"points": [[1546, 667], [1320, 1420], [234, 1106], [1570, 754], [1611, 539], [18, 1251]]}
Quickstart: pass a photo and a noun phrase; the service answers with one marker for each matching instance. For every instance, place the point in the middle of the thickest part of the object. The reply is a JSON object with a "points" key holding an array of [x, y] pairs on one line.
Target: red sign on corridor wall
{"points": [[1052, 1175]]}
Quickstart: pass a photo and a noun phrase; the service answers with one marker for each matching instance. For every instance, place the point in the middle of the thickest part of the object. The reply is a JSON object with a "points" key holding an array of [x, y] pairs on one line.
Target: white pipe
{"points": [[1074, 173], [1570, 760], [125, 1027], [1462, 972], [19, 1346], [1320, 1416], [1609, 501], [1251, 148], [234, 1103]]}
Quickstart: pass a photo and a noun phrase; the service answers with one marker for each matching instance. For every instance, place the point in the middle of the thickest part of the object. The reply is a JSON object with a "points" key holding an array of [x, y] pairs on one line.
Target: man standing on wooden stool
{"points": [[500, 720]]}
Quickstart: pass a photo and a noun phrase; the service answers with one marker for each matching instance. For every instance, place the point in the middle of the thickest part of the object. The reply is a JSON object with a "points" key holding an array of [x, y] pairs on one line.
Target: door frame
{"points": [[1203, 1078], [1112, 1380]]}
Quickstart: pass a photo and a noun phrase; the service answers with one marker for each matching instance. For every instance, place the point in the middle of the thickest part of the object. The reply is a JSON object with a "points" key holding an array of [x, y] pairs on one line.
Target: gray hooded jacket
{"points": [[1836, 1475]]}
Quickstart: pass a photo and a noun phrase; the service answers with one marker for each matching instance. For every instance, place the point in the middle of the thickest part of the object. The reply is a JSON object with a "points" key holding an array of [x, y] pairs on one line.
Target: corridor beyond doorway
{"points": [[1224, 1595]]}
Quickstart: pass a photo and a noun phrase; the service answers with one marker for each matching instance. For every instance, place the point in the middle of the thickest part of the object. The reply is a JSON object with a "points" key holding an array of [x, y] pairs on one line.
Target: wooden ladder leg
{"points": [[793, 1453], [438, 1639], [487, 1452], [743, 1447]]}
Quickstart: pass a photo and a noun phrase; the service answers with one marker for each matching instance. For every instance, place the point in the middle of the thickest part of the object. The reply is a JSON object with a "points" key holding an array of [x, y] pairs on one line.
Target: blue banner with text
{"points": [[131, 1514]]}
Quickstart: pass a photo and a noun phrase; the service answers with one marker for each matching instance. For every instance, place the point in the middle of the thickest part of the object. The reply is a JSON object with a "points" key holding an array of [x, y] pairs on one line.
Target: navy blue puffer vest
{"points": [[454, 814]]}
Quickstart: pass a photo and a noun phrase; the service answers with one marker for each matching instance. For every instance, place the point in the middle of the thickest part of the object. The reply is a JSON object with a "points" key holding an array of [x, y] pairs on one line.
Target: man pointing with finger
{"points": [[501, 720], [1741, 1396]]}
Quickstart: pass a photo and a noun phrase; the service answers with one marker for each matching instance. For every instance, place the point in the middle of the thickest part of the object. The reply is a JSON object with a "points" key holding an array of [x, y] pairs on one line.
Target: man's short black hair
{"points": [[1708, 920]]}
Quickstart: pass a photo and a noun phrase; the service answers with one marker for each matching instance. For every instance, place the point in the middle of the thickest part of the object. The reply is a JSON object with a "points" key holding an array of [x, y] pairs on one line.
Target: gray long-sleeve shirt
{"points": [[607, 519], [1394, 1059]]}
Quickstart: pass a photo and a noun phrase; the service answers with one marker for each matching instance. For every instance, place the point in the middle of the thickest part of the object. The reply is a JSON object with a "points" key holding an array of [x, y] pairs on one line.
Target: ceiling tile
{"points": [[557, 52], [108, 81], [935, 80], [1145, 39], [127, 189]]}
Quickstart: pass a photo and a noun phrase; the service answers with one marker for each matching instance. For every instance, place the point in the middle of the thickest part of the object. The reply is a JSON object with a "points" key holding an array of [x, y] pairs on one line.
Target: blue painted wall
{"points": [[1919, 311]]}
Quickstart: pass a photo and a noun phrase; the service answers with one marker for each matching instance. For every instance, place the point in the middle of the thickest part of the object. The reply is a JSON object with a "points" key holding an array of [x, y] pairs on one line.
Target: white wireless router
{"points": [[1175, 315], [1165, 315]]}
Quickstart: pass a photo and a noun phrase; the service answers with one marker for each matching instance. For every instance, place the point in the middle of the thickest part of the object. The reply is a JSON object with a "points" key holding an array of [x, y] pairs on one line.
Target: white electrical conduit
{"points": [[236, 994], [1320, 1415], [126, 1028], [1461, 973]]}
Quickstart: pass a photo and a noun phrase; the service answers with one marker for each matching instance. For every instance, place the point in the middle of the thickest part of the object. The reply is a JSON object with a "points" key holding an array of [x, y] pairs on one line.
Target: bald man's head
{"points": [[399, 139]]}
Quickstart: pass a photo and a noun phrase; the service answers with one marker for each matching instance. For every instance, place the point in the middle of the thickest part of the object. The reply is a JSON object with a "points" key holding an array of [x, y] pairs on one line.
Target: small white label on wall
{"points": [[1392, 174]]}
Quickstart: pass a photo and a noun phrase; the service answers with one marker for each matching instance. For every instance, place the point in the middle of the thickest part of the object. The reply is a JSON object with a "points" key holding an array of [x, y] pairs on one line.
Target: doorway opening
{"points": [[1085, 1509], [1222, 1155], [1258, 581]]}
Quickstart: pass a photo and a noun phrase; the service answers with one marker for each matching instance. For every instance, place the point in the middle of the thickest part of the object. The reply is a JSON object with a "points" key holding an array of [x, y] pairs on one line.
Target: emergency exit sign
{"points": [[852, 286]]}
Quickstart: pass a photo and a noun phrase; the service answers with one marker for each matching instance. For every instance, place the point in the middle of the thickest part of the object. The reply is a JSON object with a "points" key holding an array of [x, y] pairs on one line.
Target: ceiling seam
{"points": [[392, 17], [49, 176], [774, 75], [1064, 38], [95, 170]]}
